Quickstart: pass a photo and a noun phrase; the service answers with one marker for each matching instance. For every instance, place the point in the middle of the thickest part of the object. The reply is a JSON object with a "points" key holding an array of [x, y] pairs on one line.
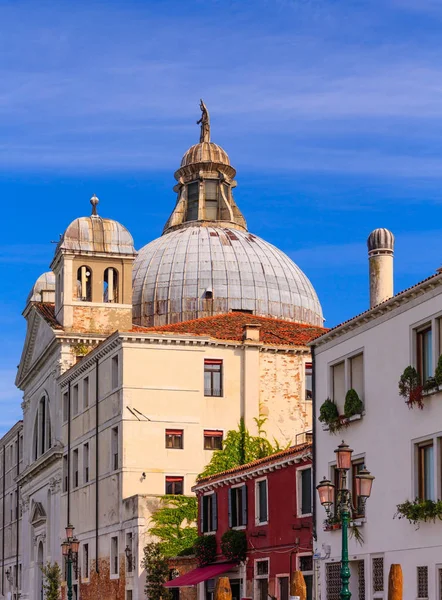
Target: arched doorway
{"points": [[39, 574]]}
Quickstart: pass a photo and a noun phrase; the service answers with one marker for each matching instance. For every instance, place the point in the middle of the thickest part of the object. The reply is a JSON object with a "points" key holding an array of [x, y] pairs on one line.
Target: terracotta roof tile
{"points": [[47, 311], [273, 332]]}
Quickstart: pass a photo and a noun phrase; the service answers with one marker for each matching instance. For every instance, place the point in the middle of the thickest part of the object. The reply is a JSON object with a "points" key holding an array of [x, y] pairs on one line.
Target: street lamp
{"points": [[342, 498], [69, 549]]}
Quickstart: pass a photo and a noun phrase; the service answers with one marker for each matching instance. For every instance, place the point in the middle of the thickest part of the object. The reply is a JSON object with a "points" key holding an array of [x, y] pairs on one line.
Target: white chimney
{"points": [[380, 257], [250, 332]]}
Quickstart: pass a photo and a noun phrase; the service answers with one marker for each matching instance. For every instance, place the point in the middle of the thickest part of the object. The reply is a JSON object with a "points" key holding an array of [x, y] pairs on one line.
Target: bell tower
{"points": [[93, 275]]}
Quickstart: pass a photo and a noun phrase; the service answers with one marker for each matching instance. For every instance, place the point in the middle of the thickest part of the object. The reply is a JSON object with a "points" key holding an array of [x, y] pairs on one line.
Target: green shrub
{"points": [[419, 510], [205, 549], [328, 412], [353, 404], [410, 387], [438, 372], [234, 545]]}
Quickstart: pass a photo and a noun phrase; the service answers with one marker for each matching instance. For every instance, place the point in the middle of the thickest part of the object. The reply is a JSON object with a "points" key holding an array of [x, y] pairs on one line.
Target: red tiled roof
{"points": [[267, 460], [274, 332], [47, 311]]}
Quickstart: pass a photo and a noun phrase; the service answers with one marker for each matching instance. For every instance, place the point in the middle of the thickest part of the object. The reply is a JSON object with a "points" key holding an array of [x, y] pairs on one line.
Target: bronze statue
{"points": [[205, 123]]}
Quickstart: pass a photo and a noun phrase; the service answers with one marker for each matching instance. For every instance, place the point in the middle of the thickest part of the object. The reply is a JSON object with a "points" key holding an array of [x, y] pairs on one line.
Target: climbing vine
{"points": [[174, 524]]}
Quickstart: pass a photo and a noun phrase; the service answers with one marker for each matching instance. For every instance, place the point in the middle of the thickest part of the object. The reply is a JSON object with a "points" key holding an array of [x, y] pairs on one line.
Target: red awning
{"points": [[200, 574]]}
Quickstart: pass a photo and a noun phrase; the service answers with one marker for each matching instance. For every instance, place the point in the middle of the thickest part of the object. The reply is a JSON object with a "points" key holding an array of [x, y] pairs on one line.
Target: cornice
{"points": [[42, 463]]}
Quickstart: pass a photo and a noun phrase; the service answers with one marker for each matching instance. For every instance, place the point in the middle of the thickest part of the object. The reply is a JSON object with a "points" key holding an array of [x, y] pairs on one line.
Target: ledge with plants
{"points": [[333, 522], [333, 421], [414, 391], [419, 511], [205, 549], [234, 545]]}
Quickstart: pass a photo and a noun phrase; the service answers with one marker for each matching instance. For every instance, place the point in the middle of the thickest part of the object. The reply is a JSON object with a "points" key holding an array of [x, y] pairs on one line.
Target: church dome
{"points": [[206, 270], [205, 152], [43, 289]]}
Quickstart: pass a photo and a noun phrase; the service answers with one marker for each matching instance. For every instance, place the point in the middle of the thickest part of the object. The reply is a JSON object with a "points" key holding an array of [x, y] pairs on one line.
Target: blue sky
{"points": [[331, 111]]}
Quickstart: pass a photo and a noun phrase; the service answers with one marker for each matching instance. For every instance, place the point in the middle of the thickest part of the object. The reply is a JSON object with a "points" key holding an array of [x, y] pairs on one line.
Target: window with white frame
{"points": [[261, 502], [209, 512], [347, 374], [42, 430], [238, 506], [114, 555], [424, 352], [262, 579], [304, 475], [305, 565]]}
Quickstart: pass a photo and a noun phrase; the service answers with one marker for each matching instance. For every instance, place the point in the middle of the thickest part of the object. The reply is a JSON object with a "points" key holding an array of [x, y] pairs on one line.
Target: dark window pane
{"points": [[262, 506], [283, 588], [306, 491]]}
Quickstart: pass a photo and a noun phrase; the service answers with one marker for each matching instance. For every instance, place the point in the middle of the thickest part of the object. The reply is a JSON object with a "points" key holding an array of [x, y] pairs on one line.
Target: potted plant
{"points": [[411, 388], [234, 545], [329, 415], [353, 404], [419, 510], [205, 549]]}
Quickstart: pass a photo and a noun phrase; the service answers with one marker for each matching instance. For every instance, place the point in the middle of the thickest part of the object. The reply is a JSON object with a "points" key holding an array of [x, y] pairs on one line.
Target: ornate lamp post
{"points": [[69, 549], [344, 505]]}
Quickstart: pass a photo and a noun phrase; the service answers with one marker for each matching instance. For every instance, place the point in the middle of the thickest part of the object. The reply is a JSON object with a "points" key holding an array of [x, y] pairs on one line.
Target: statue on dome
{"points": [[205, 123]]}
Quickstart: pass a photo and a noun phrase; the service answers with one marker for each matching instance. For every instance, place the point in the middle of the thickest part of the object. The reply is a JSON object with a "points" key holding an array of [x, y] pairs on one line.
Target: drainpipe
{"points": [[3, 523], [314, 533], [17, 508], [97, 569], [68, 515]]}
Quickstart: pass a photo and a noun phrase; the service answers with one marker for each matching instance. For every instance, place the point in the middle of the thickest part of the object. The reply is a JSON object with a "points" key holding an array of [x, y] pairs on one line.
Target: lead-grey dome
{"points": [[200, 271]]}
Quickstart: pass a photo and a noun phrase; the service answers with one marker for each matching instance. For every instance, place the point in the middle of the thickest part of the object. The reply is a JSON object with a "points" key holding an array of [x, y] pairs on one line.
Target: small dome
{"points": [[94, 234], [380, 240], [201, 271], [43, 289], [205, 152]]}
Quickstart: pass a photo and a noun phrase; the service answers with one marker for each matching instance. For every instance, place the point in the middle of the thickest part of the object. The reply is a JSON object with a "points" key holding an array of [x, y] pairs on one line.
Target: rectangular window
{"points": [[75, 400], [213, 440], [338, 385], [356, 467], [85, 561], [283, 585], [425, 468], [129, 595], [85, 392], [15, 505], [238, 506], [175, 485], [129, 552], [65, 473], [65, 407], [114, 555], [11, 507], [193, 190], [115, 372], [308, 381], [209, 513], [211, 188], [424, 353], [213, 377], [422, 583], [114, 449], [20, 448], [262, 579], [261, 502], [357, 374], [305, 491], [306, 567], [378, 574], [174, 439], [75, 468], [85, 463]]}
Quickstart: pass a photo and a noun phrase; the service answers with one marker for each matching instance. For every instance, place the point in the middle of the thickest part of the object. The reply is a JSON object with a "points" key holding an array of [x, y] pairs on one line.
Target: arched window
{"points": [[110, 285], [42, 428], [84, 284]]}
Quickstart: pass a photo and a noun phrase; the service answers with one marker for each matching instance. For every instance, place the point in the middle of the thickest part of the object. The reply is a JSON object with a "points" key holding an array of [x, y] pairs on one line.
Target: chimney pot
{"points": [[380, 244], [250, 332]]}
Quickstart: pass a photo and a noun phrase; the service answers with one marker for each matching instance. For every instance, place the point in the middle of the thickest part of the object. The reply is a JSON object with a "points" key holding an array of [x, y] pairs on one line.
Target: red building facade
{"points": [[271, 501]]}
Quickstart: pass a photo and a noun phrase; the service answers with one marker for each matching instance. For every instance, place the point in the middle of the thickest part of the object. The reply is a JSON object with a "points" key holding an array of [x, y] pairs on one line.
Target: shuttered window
{"points": [[209, 513], [305, 491], [238, 506], [261, 502]]}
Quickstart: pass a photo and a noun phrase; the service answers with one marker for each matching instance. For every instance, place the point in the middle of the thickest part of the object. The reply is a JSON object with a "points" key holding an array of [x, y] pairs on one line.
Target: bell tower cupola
{"points": [[205, 183], [93, 275]]}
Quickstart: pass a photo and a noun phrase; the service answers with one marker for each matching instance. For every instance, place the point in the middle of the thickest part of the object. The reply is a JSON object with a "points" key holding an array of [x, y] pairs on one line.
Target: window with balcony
{"points": [[238, 506], [213, 440], [174, 439], [261, 502], [304, 491], [209, 513], [213, 377], [174, 485]]}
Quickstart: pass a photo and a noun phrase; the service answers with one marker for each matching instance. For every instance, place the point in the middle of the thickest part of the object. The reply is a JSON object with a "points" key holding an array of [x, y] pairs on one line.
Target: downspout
{"points": [[17, 508], [97, 569], [69, 458], [314, 533], [3, 523]]}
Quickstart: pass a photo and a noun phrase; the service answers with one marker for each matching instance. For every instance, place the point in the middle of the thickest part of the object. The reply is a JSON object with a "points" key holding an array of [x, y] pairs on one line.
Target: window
{"points": [[174, 438], [425, 471], [333, 580], [110, 285], [75, 400], [306, 566], [85, 392], [209, 589], [213, 440], [378, 574], [261, 502], [20, 448], [338, 383], [356, 364], [305, 491], [129, 595], [85, 463], [75, 468], [175, 485], [114, 372], [424, 343], [345, 375], [358, 503], [308, 381], [209, 513], [213, 377], [114, 555], [65, 473], [261, 579], [84, 284], [11, 507], [85, 569], [114, 449], [422, 582], [65, 407], [238, 506], [211, 201], [129, 553], [283, 585], [192, 201], [15, 509]]}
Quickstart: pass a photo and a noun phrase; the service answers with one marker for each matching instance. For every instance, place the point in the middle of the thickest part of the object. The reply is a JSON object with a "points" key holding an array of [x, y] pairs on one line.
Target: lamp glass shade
{"points": [[343, 456], [65, 548], [363, 483], [326, 491], [75, 545], [69, 531]]}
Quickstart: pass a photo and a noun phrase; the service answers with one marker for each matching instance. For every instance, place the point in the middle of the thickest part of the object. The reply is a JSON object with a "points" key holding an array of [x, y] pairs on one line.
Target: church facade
{"points": [[136, 364]]}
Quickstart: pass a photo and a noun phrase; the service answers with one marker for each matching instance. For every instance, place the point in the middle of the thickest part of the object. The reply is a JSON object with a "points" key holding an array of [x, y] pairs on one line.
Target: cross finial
{"points": [[94, 202]]}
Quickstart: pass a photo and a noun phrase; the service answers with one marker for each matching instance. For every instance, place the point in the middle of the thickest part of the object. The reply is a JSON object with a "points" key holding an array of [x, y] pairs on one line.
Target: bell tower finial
{"points": [[205, 123], [94, 202]]}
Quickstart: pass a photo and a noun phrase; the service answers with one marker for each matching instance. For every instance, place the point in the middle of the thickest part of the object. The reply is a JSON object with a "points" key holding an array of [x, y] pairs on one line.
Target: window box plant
{"points": [[234, 545], [205, 549], [333, 421], [419, 511]]}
